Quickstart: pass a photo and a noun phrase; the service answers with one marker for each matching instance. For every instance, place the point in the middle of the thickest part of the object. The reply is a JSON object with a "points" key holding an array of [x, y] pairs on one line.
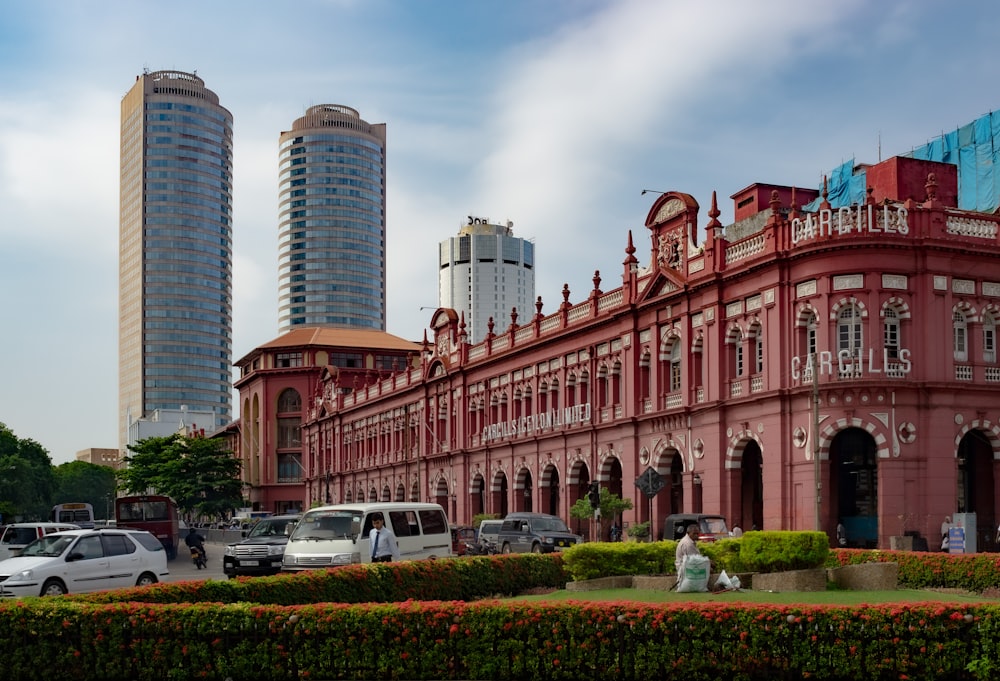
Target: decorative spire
{"points": [[462, 335], [824, 204], [597, 282], [630, 259], [794, 208], [714, 227], [538, 308], [513, 318], [489, 328], [565, 295]]}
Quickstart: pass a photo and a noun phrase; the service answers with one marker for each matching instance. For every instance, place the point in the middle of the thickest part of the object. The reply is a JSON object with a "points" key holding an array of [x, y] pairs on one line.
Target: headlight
{"points": [[230, 550], [288, 560], [275, 550], [549, 540], [22, 576], [344, 558]]}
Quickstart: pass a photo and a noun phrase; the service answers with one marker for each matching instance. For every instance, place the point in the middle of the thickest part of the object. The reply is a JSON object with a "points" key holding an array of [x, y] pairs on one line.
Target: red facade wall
{"points": [[719, 365]]}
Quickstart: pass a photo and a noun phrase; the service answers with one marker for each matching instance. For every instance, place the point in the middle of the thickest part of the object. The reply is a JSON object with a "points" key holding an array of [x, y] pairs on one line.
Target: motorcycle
{"points": [[199, 557], [485, 548]]}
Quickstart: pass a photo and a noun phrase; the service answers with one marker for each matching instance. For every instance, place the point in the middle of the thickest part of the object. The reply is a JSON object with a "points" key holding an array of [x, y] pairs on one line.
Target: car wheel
{"points": [[53, 587], [506, 548], [536, 548], [146, 579]]}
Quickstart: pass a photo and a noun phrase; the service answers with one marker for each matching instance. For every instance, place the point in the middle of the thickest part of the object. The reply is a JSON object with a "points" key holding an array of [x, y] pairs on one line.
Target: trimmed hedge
{"points": [[754, 552]]}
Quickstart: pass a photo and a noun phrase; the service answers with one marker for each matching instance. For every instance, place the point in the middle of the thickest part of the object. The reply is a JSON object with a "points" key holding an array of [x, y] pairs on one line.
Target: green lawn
{"points": [[783, 598]]}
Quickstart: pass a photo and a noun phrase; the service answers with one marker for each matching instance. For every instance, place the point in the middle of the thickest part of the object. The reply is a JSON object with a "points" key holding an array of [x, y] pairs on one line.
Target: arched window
{"points": [[849, 331], [989, 338], [890, 332], [736, 366], [675, 366], [289, 401], [960, 336], [757, 333]]}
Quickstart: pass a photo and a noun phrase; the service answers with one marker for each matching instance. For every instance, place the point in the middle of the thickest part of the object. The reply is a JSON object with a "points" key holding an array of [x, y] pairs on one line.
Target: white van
{"points": [[16, 536], [338, 535]]}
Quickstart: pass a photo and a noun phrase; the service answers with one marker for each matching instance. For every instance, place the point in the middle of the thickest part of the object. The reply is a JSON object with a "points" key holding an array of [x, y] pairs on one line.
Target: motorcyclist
{"points": [[196, 541]]}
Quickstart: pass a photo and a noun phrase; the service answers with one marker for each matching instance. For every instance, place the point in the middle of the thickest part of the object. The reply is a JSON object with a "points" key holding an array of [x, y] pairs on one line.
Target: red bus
{"points": [[153, 513]]}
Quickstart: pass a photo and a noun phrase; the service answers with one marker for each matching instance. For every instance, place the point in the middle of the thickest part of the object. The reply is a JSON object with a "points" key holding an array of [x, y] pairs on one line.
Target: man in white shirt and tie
{"points": [[383, 541]]}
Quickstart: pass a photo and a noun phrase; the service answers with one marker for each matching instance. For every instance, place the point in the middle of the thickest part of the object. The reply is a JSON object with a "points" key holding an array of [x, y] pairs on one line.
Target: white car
{"points": [[80, 561]]}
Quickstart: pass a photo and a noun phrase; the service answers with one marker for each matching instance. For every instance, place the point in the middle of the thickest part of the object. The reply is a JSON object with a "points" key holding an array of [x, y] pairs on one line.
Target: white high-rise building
{"points": [[486, 272]]}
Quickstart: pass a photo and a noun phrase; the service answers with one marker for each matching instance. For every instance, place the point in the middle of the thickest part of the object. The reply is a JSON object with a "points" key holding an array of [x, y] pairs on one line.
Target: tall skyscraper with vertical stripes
{"points": [[175, 250], [331, 223]]}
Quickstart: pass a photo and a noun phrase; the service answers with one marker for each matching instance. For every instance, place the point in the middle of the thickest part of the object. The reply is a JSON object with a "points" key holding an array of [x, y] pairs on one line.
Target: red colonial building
{"points": [[277, 381], [793, 369]]}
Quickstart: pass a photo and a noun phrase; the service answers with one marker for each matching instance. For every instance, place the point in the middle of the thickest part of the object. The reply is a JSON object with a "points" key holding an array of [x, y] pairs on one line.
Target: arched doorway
{"points": [[476, 495], [549, 502], [751, 512], [498, 492], [854, 483], [441, 498], [670, 499], [975, 486], [523, 491], [577, 486]]}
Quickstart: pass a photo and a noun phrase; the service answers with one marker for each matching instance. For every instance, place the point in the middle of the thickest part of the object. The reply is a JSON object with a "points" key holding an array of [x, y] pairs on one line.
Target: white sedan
{"points": [[80, 561]]}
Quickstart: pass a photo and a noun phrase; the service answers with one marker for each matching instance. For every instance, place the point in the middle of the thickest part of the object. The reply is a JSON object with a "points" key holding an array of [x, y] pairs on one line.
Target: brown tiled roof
{"points": [[341, 338]]}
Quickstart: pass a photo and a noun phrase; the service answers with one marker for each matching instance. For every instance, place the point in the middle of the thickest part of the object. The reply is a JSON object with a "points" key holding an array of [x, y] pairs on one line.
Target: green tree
{"points": [[195, 472], [612, 506], [87, 482], [26, 478]]}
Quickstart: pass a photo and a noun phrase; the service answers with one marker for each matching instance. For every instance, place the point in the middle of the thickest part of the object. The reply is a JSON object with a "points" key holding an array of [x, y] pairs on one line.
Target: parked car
{"points": [[262, 549], [489, 531], [460, 536], [535, 533], [81, 561], [710, 527], [14, 537]]}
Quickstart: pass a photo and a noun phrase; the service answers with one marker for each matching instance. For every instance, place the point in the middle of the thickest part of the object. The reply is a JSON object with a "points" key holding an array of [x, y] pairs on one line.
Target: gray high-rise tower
{"points": [[175, 250], [331, 223]]}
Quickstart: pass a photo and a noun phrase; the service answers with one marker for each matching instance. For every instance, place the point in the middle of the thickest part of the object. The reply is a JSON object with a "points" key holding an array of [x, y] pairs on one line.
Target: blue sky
{"points": [[553, 114]]}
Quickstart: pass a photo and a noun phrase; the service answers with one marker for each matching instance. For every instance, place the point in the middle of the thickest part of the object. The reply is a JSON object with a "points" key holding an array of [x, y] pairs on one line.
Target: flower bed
{"points": [[495, 640], [296, 631]]}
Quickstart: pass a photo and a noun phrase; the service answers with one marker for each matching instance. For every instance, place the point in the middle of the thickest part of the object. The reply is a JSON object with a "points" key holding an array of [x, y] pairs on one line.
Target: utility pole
{"points": [[815, 441]]}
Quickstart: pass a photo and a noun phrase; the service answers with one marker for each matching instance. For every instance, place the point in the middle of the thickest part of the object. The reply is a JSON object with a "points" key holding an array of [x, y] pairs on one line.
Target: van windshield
{"points": [[326, 525]]}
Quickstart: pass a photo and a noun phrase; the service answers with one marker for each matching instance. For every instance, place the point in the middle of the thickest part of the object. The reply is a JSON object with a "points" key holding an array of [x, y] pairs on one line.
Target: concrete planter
{"points": [[793, 580], [866, 576]]}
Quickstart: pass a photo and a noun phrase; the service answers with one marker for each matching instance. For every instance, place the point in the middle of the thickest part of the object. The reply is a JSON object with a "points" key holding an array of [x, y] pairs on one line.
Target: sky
{"points": [[553, 114]]}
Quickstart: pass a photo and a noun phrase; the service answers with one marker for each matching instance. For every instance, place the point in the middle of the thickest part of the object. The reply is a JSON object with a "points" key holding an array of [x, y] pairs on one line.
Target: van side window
{"points": [[401, 525], [433, 522]]}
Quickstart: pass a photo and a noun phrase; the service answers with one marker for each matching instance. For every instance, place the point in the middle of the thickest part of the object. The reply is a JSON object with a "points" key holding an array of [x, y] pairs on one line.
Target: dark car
{"points": [[710, 527], [261, 551], [535, 533], [460, 536]]}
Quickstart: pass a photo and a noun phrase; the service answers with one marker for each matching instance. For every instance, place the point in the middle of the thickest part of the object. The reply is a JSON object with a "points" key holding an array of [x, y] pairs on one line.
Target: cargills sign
{"points": [[867, 218], [554, 418], [857, 363]]}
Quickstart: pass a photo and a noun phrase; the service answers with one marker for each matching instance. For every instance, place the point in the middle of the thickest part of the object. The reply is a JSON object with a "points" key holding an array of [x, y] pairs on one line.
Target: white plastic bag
{"points": [[723, 582], [693, 575]]}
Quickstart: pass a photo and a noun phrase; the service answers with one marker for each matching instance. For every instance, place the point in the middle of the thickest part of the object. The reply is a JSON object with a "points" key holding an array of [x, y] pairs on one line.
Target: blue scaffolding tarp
{"points": [[974, 148]]}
